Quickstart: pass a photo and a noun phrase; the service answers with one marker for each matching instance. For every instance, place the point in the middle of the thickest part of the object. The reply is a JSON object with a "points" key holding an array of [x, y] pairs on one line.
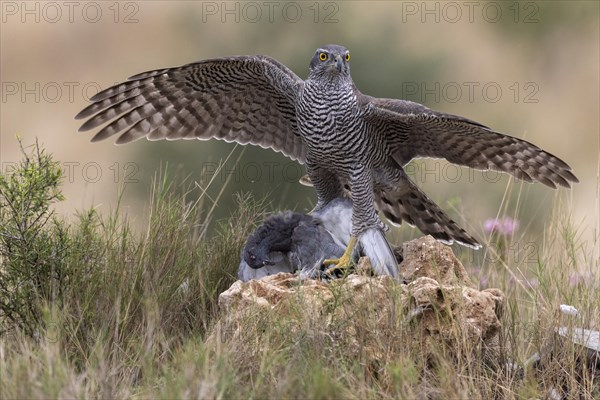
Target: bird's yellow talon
{"points": [[344, 262]]}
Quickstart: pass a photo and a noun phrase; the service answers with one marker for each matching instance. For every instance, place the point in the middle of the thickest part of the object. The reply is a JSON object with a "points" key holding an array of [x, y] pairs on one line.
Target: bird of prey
{"points": [[292, 241], [342, 136]]}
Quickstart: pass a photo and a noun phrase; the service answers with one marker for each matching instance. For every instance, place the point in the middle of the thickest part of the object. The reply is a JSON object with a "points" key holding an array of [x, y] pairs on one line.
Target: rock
{"points": [[586, 338], [570, 355], [453, 308], [585, 341], [437, 307], [426, 257]]}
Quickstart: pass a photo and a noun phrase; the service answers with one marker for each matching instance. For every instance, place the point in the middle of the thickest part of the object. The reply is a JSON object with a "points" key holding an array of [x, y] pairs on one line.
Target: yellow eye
{"points": [[323, 56], [347, 56]]}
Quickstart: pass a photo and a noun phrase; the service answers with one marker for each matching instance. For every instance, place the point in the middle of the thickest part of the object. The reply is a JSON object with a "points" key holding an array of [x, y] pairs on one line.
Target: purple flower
{"points": [[579, 278], [483, 282], [491, 225], [532, 283], [504, 226]]}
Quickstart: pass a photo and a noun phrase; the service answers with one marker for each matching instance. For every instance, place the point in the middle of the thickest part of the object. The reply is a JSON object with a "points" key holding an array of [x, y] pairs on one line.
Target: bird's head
{"points": [[256, 256], [330, 62]]}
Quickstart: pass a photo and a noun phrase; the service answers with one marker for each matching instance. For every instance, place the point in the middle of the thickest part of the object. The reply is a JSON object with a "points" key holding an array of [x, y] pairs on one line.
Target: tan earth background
{"points": [[528, 69]]}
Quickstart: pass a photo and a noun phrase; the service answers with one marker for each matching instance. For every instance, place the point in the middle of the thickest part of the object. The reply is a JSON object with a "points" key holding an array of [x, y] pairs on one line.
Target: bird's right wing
{"points": [[245, 99], [413, 130]]}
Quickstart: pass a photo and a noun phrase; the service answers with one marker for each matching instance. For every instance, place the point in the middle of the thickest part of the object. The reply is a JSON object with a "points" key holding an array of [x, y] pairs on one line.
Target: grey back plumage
{"points": [[274, 235], [292, 241]]}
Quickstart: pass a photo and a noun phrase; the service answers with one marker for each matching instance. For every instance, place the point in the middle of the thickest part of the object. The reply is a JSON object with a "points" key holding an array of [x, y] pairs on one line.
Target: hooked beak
{"points": [[339, 62], [268, 262]]}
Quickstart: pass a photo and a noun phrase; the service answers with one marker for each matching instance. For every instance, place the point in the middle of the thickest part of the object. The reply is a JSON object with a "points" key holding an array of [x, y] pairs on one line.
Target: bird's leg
{"points": [[363, 215], [326, 183]]}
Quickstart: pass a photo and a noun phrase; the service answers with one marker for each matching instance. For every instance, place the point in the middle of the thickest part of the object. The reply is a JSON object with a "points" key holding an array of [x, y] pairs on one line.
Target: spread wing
{"points": [[413, 130], [245, 99]]}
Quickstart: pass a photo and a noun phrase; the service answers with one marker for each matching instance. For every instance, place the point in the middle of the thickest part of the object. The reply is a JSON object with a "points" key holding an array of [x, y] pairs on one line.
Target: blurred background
{"points": [[528, 69]]}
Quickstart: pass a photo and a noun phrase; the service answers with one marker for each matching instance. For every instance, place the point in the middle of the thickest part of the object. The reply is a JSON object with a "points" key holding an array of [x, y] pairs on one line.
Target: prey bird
{"points": [[343, 137], [292, 241]]}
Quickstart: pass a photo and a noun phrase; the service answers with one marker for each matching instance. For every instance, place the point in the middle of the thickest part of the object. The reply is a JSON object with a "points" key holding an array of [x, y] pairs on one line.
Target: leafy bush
{"points": [[33, 243]]}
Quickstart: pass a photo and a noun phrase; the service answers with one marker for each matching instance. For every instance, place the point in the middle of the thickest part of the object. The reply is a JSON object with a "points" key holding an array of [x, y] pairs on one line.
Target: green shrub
{"points": [[33, 243]]}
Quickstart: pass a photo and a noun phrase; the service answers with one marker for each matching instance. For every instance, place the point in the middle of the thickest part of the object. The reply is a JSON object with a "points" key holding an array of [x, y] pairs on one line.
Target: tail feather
{"points": [[410, 204]]}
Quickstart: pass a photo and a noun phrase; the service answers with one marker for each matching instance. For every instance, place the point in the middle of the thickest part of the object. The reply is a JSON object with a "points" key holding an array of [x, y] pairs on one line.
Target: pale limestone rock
{"points": [[428, 257], [365, 314]]}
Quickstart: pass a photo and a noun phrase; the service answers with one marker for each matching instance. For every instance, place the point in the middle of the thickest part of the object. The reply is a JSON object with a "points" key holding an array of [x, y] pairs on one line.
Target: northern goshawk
{"points": [[343, 137]]}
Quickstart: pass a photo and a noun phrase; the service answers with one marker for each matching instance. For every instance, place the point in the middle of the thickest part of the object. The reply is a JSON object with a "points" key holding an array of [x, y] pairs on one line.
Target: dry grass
{"points": [[125, 315]]}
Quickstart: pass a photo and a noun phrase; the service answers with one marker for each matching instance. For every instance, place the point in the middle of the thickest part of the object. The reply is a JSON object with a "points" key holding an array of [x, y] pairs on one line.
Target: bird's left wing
{"points": [[412, 130], [245, 99]]}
